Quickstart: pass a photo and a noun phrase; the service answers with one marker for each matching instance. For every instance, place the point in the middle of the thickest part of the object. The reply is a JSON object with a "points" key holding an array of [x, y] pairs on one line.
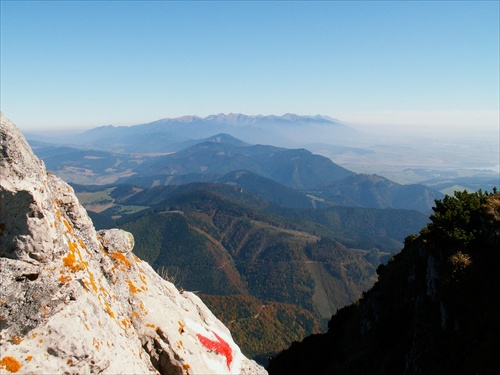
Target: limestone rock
{"points": [[76, 301]]}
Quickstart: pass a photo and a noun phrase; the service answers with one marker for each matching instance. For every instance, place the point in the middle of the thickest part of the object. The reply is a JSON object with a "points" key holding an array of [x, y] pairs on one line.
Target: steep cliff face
{"points": [[434, 309], [73, 300]]}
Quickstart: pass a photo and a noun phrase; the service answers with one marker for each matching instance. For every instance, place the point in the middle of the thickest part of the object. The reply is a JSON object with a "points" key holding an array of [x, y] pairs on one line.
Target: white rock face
{"points": [[76, 301]]}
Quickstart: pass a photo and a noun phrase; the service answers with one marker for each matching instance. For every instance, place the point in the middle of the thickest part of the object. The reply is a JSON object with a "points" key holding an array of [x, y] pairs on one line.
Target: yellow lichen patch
{"points": [[121, 258], [86, 326], [132, 287], [186, 366], [10, 364], [92, 282], [126, 323], [150, 325], [99, 323], [96, 343], [70, 260], [108, 310], [29, 358], [103, 291], [33, 335], [16, 339], [68, 226], [143, 279], [69, 362], [64, 279], [181, 327], [179, 344], [135, 314], [141, 305], [40, 341], [136, 258]]}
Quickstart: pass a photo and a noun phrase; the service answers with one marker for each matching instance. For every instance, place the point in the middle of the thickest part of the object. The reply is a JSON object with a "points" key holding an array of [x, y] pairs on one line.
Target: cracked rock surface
{"points": [[73, 300]]}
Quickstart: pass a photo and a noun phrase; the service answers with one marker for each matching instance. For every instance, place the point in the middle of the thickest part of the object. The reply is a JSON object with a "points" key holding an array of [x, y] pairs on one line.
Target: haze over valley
{"points": [[445, 161]]}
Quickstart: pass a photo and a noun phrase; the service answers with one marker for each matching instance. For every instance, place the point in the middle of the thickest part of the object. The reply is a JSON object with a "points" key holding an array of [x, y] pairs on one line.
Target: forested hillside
{"points": [[434, 309], [240, 252]]}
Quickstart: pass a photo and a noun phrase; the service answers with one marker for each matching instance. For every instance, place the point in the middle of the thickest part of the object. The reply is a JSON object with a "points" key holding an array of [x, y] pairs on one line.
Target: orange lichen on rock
{"points": [[64, 279], [10, 364], [108, 309], [29, 358], [16, 339], [103, 291], [68, 226], [132, 287], [181, 327], [143, 279], [70, 260], [92, 281], [121, 258]]}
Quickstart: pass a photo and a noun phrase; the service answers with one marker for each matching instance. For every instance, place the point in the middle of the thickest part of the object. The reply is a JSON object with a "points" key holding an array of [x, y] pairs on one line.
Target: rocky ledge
{"points": [[74, 300]]}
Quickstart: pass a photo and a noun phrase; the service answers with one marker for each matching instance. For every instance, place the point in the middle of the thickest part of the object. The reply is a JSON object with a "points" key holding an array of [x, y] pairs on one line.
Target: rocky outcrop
{"points": [[74, 300]]}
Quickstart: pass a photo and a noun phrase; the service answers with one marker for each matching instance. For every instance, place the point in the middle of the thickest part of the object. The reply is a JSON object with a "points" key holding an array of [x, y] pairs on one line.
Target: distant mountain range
{"points": [[291, 177], [170, 134], [402, 160]]}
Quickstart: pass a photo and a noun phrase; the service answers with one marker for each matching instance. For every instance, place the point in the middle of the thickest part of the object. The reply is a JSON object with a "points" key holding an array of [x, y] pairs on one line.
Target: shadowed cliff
{"points": [[434, 309]]}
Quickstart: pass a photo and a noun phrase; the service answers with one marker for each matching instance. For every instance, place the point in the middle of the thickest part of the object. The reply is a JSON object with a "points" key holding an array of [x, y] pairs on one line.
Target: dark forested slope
{"points": [[221, 242], [434, 309]]}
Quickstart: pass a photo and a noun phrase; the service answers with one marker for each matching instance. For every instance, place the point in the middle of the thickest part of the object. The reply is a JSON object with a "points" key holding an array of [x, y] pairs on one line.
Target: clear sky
{"points": [[82, 64]]}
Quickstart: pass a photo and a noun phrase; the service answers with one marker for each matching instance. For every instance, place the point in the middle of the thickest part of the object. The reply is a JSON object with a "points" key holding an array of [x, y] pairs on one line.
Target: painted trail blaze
{"points": [[220, 347]]}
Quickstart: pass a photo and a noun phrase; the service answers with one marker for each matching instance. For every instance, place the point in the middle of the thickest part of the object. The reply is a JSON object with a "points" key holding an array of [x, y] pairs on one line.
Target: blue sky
{"points": [[423, 64]]}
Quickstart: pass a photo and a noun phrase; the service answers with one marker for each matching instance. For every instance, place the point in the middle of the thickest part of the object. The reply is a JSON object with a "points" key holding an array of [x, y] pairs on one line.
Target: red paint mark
{"points": [[220, 347]]}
